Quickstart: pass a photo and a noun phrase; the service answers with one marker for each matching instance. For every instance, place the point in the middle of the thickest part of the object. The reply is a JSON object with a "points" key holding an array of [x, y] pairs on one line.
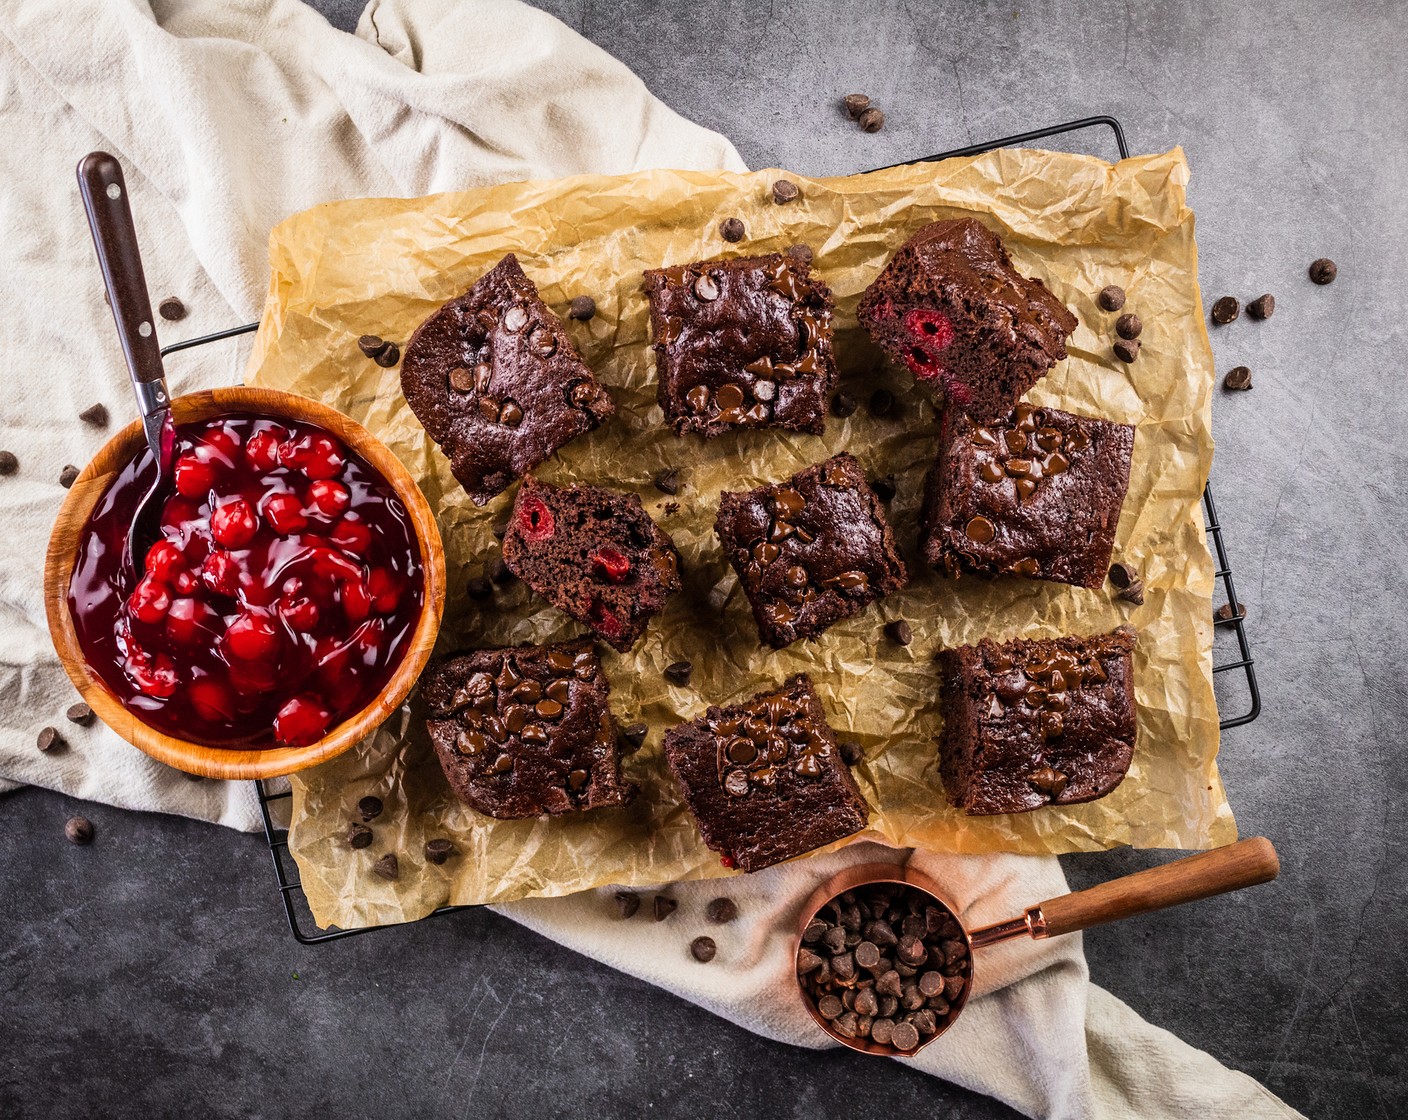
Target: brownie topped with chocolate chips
{"points": [[810, 551], [951, 308], [495, 380], [742, 343], [1036, 494], [525, 731], [765, 779], [1033, 723]]}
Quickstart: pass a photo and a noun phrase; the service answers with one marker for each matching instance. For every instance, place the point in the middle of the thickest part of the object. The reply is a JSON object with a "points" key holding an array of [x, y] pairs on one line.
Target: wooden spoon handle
{"points": [[1243, 864]]}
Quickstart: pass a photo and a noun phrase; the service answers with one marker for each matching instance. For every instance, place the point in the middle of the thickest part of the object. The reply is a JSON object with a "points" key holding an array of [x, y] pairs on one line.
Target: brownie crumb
{"points": [[96, 415], [581, 308], [68, 476], [1323, 271], [1238, 377], [50, 740], [80, 714], [721, 910], [79, 830], [172, 309], [438, 851], [1263, 307], [1225, 310], [663, 907], [703, 949], [627, 903], [1111, 298], [387, 867], [731, 230]]}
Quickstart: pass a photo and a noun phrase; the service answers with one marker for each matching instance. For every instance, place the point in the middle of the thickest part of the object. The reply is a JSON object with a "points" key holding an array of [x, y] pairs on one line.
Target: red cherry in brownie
{"points": [[611, 564], [535, 520]]}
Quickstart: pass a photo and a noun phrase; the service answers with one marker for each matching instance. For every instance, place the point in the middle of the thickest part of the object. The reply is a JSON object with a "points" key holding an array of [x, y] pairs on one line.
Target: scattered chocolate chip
{"points": [[668, 482], [479, 588], [843, 405], [172, 309], [9, 462], [1122, 575], [1263, 307], [96, 415], [1127, 349], [371, 345], [68, 475], [899, 632], [856, 104], [50, 740], [721, 910], [388, 867], [1323, 271], [500, 529], [1225, 310], [679, 672], [703, 949], [1129, 326], [80, 714], [497, 570], [581, 308], [884, 487], [634, 736], [871, 120], [389, 356], [801, 254], [79, 830], [1111, 297], [882, 402], [438, 851], [784, 190], [1134, 593], [369, 807], [627, 903], [359, 835], [664, 907], [1225, 613], [1238, 377], [851, 752], [731, 229]]}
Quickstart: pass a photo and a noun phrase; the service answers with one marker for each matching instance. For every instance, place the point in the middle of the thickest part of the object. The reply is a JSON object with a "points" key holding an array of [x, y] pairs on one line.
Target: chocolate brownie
{"points": [[743, 343], [810, 551], [951, 308], [525, 731], [1033, 723], [594, 554], [1037, 494], [765, 779], [495, 380]]}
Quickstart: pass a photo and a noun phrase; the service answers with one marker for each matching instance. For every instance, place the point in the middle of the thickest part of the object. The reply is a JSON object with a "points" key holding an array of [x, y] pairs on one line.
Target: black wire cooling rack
{"points": [[1241, 685]]}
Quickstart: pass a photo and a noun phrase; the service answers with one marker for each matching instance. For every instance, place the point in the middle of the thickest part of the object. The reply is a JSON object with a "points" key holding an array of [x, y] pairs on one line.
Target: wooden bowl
{"points": [[197, 758]]}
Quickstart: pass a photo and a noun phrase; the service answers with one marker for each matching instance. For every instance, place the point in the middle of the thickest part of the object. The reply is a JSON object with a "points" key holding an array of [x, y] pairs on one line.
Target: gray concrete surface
{"points": [[165, 942]]}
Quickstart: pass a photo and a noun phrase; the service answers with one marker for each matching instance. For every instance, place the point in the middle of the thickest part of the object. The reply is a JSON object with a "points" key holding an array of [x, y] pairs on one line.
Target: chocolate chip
{"points": [[479, 588], [172, 309], [1134, 593], [905, 1036], [50, 740], [371, 345], [79, 830], [500, 529], [388, 867], [80, 714], [843, 405], [9, 462], [851, 752], [1225, 613], [1129, 326], [784, 191], [800, 253], [1238, 377], [899, 632], [868, 956], [703, 949], [884, 487], [668, 482], [721, 910], [581, 308], [731, 229], [497, 570], [438, 851], [807, 961], [679, 672], [871, 120], [369, 807], [96, 415], [633, 736], [1225, 310], [664, 907], [830, 1007], [389, 356], [627, 903], [1323, 271], [1111, 297], [359, 835], [1127, 349], [856, 104], [68, 475], [1263, 307], [1122, 575], [882, 402]]}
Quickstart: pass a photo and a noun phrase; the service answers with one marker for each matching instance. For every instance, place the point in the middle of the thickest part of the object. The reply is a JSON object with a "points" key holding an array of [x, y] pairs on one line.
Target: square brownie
{"points": [[743, 343], [593, 553], [765, 779], [1037, 494], [951, 308], [525, 731], [496, 381], [810, 551], [1033, 723]]}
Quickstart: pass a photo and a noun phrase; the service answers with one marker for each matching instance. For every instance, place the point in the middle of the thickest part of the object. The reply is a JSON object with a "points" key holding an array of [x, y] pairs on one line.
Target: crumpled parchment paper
{"points": [[380, 266]]}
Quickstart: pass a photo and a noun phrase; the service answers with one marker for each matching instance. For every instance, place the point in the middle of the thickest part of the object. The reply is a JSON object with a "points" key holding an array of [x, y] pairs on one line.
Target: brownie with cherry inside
{"points": [[1037, 494], [495, 380], [594, 554], [810, 551], [526, 731], [1029, 723], [765, 779], [742, 343], [951, 308]]}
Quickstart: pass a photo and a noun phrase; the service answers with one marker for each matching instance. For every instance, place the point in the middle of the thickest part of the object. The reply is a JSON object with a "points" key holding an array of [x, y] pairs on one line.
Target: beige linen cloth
{"points": [[230, 117]]}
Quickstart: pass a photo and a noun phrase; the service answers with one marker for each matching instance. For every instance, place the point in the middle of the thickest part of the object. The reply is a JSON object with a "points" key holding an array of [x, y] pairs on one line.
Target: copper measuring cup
{"points": [[1243, 864]]}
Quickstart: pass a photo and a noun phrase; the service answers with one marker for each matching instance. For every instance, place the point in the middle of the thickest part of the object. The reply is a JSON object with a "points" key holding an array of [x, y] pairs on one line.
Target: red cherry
{"points": [[385, 588], [932, 329], [284, 513], [153, 674], [254, 678], [352, 536], [330, 564], [369, 637], [356, 599], [150, 601], [185, 582], [317, 456], [535, 520], [222, 442], [234, 524], [194, 477], [262, 450], [329, 497], [302, 720], [212, 700], [163, 560], [190, 622], [252, 637], [603, 621], [221, 574], [727, 861], [301, 614], [611, 564]]}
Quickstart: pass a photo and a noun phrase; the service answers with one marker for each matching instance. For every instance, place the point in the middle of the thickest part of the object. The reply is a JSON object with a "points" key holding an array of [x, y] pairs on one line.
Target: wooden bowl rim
{"points": [[197, 758]]}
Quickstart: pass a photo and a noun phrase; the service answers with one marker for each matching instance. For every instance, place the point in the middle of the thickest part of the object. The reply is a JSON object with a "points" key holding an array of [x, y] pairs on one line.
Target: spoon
{"points": [[104, 192]]}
